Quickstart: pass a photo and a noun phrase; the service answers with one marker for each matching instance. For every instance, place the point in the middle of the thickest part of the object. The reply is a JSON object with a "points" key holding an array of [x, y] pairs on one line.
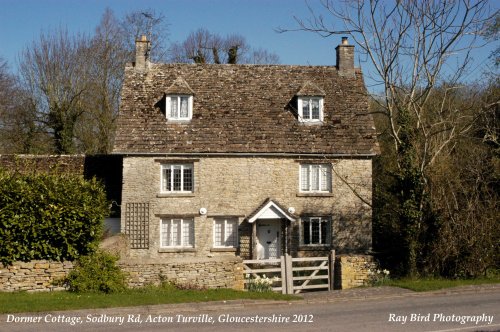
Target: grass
{"points": [[62, 300], [431, 284]]}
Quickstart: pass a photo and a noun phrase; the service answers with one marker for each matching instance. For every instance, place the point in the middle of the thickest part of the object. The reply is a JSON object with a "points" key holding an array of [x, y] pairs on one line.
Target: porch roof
{"points": [[270, 209]]}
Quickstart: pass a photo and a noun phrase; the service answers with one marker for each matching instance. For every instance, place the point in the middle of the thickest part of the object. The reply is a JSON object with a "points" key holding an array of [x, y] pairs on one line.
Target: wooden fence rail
{"points": [[293, 275]]}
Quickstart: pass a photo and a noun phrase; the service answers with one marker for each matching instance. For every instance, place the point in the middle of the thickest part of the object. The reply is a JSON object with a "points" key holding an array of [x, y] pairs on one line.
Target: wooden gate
{"points": [[292, 275]]}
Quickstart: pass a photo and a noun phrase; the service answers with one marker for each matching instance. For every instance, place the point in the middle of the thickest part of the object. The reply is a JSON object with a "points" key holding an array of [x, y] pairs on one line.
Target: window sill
{"points": [[222, 249], [312, 123], [313, 247], [180, 121], [177, 250], [314, 194], [165, 195]]}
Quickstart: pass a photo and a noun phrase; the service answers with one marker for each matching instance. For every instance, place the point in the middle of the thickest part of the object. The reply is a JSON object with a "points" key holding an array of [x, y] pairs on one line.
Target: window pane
{"points": [[305, 109], [307, 232], [315, 236], [167, 178], [188, 233], [315, 177], [174, 109], [184, 107], [176, 233], [218, 233], [326, 178], [230, 240], [304, 177], [165, 233], [324, 231], [315, 109], [177, 178], [188, 178]]}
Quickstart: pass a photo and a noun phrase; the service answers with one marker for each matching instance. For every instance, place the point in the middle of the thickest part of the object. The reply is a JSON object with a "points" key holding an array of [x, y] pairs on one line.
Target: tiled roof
{"points": [[244, 109]]}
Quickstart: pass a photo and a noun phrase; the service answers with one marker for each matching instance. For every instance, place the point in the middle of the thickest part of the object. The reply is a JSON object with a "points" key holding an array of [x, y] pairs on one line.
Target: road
{"points": [[412, 312]]}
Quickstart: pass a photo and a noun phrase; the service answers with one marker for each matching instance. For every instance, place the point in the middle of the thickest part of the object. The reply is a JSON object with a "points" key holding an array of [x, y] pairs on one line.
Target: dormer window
{"points": [[179, 107], [310, 109]]}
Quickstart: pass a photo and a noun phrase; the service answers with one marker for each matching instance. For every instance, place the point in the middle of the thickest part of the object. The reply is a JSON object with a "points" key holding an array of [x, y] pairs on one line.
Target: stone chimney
{"points": [[345, 58], [142, 48]]}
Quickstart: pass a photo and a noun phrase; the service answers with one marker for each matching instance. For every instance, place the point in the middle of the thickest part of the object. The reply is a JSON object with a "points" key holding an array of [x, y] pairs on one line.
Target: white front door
{"points": [[268, 239]]}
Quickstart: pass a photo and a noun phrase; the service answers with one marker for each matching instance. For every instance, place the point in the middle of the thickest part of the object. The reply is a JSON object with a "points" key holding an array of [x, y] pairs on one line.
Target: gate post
{"points": [[283, 275], [289, 274], [331, 270]]}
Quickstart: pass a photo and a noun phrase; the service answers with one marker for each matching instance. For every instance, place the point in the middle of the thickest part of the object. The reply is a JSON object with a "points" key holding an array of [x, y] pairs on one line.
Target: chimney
{"points": [[142, 48], [345, 58]]}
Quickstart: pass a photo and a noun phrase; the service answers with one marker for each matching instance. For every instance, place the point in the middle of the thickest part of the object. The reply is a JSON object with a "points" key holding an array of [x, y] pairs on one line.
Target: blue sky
{"points": [[21, 22]]}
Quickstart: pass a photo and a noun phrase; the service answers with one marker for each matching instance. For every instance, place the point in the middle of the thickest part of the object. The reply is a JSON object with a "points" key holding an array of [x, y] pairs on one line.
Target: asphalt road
{"points": [[466, 311]]}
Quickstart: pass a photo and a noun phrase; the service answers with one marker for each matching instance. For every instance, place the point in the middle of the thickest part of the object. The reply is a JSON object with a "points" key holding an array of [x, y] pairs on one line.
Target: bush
{"points": [[54, 217], [96, 273]]}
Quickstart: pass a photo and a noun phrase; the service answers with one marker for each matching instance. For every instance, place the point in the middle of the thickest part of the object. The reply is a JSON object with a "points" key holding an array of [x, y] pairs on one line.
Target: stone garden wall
{"points": [[40, 275], [211, 273], [353, 270], [33, 276]]}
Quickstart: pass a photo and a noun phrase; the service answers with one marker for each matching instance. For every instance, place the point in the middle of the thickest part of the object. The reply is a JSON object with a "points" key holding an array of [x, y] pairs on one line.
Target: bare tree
{"points": [[109, 53], [151, 24], [19, 130], [203, 46], [54, 71], [420, 52]]}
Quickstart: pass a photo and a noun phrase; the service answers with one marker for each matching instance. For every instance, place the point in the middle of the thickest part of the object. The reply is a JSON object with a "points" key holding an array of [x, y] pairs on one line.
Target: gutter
{"points": [[245, 154]]}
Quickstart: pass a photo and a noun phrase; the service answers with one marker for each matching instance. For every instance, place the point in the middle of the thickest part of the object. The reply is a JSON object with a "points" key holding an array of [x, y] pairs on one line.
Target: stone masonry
{"points": [[203, 273], [33, 276], [236, 186], [207, 273], [353, 270]]}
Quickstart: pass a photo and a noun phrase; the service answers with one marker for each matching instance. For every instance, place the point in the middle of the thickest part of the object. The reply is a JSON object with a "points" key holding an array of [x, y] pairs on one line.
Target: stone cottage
{"points": [[249, 161]]}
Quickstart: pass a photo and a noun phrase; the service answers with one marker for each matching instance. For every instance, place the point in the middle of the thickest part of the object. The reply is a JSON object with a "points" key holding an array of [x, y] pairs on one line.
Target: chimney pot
{"points": [[345, 41]]}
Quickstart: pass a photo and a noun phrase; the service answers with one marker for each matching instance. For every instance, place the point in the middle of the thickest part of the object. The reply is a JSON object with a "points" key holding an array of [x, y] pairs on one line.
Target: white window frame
{"points": [[323, 176], [309, 99], [182, 223], [172, 166], [216, 239], [316, 221], [178, 98]]}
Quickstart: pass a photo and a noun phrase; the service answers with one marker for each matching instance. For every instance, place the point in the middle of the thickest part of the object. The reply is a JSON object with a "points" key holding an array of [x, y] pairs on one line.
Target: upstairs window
{"points": [[177, 178], [316, 178], [310, 109], [179, 107]]}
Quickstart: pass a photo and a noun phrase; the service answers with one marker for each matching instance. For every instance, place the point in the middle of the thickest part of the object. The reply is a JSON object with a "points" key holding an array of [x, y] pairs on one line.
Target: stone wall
{"points": [[33, 276], [353, 270], [209, 273], [206, 273], [236, 186]]}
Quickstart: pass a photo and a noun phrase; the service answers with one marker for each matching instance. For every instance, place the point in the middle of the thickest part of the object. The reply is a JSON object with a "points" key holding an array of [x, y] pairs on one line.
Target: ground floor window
{"points": [[315, 231], [177, 232], [226, 232]]}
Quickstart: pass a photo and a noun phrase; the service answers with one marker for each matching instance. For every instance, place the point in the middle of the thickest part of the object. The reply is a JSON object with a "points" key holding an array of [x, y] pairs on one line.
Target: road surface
{"points": [[466, 311]]}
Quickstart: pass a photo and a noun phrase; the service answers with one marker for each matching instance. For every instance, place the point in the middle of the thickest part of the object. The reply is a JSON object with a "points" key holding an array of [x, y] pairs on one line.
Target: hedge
{"points": [[53, 217]]}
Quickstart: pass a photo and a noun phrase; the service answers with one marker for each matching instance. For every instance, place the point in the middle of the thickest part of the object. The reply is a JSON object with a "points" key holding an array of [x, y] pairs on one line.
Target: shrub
{"points": [[96, 273], [55, 217]]}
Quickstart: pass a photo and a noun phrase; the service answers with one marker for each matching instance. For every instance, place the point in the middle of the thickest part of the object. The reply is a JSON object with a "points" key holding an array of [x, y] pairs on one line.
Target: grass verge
{"points": [[54, 301], [431, 284]]}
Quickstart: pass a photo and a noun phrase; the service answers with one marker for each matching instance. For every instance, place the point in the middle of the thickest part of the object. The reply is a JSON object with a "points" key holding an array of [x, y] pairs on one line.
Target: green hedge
{"points": [[54, 217]]}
